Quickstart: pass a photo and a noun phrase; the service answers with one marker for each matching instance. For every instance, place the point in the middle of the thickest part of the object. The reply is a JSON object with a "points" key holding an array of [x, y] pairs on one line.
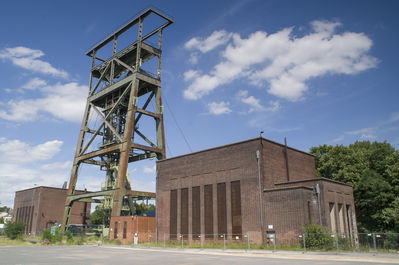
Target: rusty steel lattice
{"points": [[118, 85]]}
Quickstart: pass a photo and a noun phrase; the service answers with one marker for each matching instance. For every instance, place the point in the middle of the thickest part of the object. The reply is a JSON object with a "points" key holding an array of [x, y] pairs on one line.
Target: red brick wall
{"points": [[48, 207], [144, 226], [223, 165]]}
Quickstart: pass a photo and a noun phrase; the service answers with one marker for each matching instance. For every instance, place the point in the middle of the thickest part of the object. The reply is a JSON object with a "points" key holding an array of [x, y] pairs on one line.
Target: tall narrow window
{"points": [[332, 218], [184, 212], [116, 230], [236, 208], [349, 219], [124, 229], [17, 215], [208, 202], [196, 212], [341, 218], [309, 213], [31, 219], [222, 220], [173, 214]]}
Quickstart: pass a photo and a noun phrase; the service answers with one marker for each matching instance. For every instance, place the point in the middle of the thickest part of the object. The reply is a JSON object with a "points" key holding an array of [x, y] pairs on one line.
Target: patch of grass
{"points": [[5, 241]]}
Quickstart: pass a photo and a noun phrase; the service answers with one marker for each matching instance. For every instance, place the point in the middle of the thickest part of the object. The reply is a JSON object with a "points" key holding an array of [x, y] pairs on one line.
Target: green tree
{"points": [[4, 209], [14, 230], [374, 196], [98, 216], [143, 208], [373, 171]]}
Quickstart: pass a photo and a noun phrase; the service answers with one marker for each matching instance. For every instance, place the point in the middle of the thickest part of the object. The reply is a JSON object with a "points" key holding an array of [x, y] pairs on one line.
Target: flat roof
{"points": [[46, 187], [236, 143], [142, 14], [314, 179]]}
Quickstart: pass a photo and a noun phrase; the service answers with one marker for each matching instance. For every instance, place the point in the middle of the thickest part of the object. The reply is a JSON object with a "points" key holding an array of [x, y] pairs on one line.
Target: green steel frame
{"points": [[116, 85]]}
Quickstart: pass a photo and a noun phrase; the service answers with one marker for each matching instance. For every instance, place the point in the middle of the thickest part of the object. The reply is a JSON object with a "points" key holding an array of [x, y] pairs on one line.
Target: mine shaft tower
{"points": [[118, 85]]}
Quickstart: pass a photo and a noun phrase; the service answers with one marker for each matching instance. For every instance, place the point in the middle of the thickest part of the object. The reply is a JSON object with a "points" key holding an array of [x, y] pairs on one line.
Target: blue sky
{"points": [[317, 72]]}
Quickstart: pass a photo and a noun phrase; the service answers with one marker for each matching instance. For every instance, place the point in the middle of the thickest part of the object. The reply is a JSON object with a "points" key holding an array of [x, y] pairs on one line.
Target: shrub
{"points": [[14, 230], [47, 236], [69, 236], [316, 237]]}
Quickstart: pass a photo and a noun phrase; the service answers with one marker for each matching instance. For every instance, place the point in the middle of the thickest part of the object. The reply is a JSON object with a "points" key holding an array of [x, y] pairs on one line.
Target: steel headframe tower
{"points": [[117, 84]]}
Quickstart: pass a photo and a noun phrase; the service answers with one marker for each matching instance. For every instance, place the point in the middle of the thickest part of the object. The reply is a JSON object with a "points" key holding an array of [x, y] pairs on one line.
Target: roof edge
{"points": [[314, 179], [235, 143]]}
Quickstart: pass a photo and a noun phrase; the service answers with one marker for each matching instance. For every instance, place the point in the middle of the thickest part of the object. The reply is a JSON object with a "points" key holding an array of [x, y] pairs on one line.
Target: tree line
{"points": [[372, 168]]}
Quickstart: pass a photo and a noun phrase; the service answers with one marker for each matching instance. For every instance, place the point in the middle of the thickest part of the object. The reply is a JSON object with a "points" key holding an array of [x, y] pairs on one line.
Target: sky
{"points": [[316, 72]]}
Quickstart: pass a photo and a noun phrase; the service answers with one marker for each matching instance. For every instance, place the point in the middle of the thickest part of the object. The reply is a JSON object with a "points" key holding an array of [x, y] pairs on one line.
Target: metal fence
{"points": [[361, 242]]}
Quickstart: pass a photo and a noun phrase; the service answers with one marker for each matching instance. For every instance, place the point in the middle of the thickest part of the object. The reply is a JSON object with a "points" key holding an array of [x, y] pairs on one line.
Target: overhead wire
{"points": [[177, 124]]}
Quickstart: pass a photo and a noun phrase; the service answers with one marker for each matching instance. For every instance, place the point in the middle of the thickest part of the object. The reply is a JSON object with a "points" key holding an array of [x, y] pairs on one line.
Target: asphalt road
{"points": [[121, 255]]}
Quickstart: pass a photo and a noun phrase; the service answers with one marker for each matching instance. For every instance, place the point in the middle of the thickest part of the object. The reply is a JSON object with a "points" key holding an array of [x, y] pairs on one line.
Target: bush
{"points": [[316, 237], [14, 230], [69, 236], [47, 236]]}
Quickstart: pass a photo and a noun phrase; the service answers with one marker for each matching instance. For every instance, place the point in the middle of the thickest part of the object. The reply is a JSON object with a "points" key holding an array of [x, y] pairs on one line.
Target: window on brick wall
{"points": [[116, 230], [222, 216], [208, 202], [341, 218], [184, 212], [332, 217], [236, 208], [196, 212], [124, 229], [173, 214], [349, 219], [31, 219]]}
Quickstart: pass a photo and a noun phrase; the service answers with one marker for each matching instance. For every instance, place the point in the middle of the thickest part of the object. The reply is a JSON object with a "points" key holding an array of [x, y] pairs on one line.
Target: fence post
{"points": [[202, 240], [304, 242], [249, 246], [182, 241], [374, 243], [224, 241], [164, 242]]}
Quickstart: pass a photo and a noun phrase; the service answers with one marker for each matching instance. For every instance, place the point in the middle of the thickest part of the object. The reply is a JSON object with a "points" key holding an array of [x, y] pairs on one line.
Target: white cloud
{"points": [[254, 103], [193, 58], [368, 130], [63, 101], [368, 136], [28, 59], [149, 170], [16, 151], [57, 166], [190, 74], [216, 39], [218, 108], [34, 83], [283, 62], [21, 167]]}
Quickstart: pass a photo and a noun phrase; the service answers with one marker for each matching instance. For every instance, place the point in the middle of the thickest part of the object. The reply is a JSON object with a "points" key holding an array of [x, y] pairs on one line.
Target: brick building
{"points": [[125, 228], [41, 207], [257, 187]]}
